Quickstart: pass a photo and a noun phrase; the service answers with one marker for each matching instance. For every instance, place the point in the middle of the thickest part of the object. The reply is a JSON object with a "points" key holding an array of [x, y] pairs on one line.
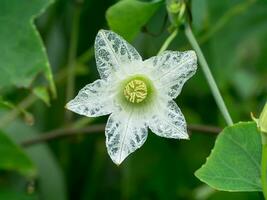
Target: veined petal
{"points": [[172, 69], [124, 134], [169, 122], [95, 99], [113, 53]]}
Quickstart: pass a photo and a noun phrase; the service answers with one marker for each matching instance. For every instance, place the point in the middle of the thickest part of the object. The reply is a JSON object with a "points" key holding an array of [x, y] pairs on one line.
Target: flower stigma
{"points": [[135, 91]]}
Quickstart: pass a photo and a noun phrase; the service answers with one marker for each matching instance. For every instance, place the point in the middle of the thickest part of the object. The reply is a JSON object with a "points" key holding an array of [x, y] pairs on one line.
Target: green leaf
{"points": [[128, 16], [234, 164], [13, 158], [23, 55]]}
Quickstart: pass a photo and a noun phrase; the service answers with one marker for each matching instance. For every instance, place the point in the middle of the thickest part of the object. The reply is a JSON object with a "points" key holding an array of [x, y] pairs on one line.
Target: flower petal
{"points": [[172, 69], [95, 99], [113, 53], [169, 122], [124, 135]]}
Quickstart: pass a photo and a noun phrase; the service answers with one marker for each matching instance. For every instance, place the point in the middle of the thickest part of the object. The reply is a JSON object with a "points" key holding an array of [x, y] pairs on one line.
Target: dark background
{"points": [[233, 36]]}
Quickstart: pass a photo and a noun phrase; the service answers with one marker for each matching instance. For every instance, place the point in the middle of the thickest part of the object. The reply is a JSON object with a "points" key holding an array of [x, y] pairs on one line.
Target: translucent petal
{"points": [[168, 121], [124, 135], [172, 69], [95, 99], [113, 53]]}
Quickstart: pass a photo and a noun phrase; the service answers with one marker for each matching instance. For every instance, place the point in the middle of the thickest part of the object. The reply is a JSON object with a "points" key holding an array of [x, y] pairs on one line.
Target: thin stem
{"points": [[264, 170], [72, 57], [264, 165], [168, 41], [205, 67], [204, 129], [223, 20], [65, 132]]}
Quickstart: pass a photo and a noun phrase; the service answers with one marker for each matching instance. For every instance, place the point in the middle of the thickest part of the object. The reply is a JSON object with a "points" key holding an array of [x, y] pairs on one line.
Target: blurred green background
{"points": [[233, 37]]}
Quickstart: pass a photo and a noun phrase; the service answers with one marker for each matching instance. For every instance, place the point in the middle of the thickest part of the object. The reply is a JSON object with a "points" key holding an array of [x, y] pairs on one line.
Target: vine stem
{"points": [[99, 128], [205, 67], [168, 41], [263, 170], [264, 165]]}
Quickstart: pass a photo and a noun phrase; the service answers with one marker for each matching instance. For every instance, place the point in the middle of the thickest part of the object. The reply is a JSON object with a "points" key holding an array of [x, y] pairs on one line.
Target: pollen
{"points": [[135, 91]]}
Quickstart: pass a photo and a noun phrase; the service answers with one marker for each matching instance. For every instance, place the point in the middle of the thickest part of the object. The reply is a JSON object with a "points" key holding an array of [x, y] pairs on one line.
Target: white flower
{"points": [[138, 94]]}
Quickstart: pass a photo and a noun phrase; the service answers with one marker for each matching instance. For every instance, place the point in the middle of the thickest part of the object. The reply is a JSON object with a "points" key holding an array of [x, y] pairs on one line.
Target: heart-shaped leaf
{"points": [[234, 164]]}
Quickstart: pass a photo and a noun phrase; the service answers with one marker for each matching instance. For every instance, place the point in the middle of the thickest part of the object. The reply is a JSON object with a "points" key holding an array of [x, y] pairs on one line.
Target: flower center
{"points": [[135, 91]]}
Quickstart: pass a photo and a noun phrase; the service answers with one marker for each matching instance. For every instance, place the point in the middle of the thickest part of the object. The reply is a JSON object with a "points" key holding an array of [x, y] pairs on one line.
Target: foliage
{"points": [[232, 36], [23, 55], [234, 164]]}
